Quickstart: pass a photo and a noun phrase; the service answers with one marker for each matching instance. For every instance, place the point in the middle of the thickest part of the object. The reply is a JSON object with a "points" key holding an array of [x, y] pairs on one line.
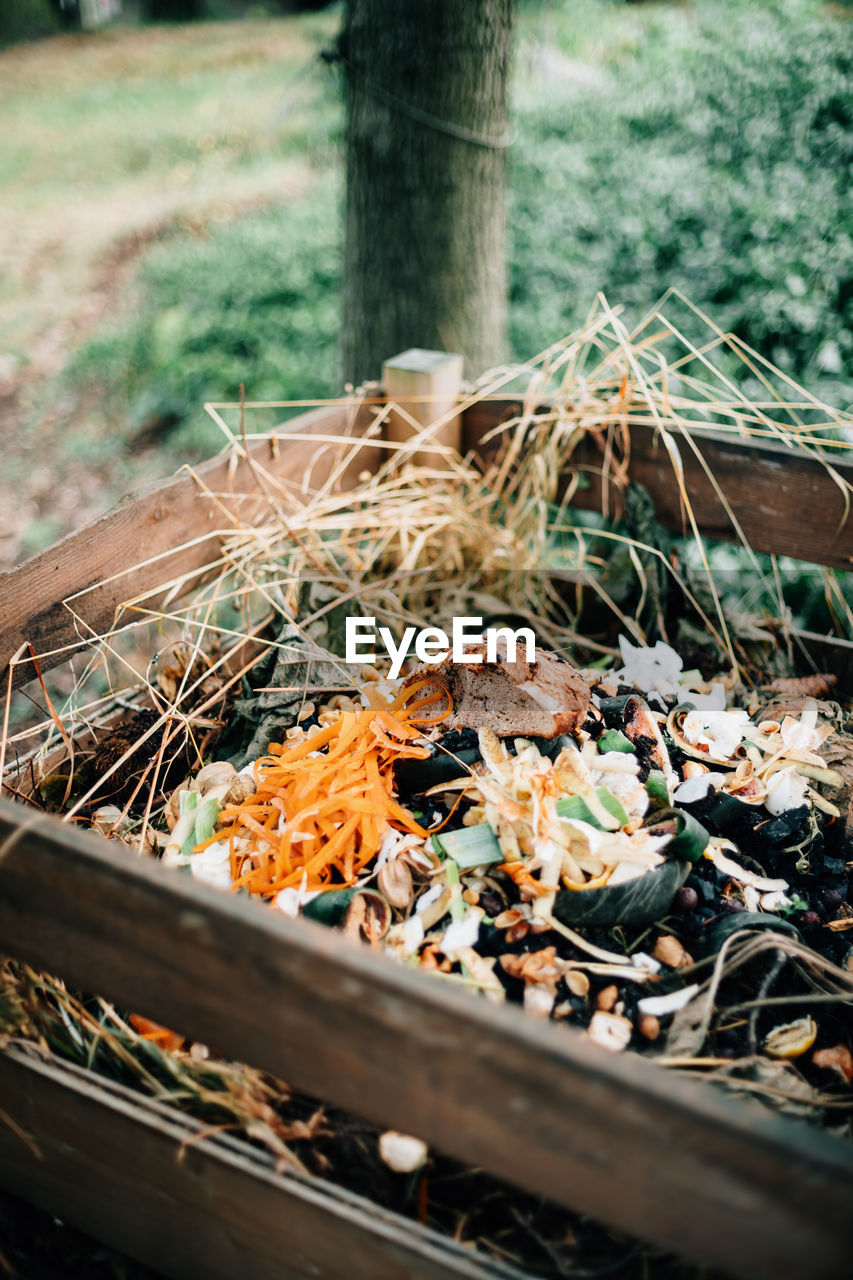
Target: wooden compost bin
{"points": [[668, 1159]]}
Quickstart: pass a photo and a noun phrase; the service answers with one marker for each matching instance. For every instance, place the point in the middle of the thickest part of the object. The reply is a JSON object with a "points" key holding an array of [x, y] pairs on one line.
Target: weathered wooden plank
{"points": [[435, 375], [171, 530], [784, 500], [660, 1157], [145, 1180]]}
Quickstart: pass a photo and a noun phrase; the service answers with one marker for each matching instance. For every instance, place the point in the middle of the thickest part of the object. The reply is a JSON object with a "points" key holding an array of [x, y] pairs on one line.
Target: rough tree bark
{"points": [[427, 84]]}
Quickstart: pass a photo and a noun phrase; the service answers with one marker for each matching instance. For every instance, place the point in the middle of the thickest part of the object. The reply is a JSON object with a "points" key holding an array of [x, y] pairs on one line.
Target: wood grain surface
{"points": [[661, 1157], [657, 1156], [147, 1180], [785, 501]]}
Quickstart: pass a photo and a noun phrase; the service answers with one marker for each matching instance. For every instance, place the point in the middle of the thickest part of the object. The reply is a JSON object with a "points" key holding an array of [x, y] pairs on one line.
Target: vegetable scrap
{"points": [[510, 696], [630, 852], [315, 818]]}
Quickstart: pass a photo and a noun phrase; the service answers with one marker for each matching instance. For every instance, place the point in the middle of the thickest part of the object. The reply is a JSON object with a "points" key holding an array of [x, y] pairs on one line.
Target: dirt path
{"points": [[110, 143]]}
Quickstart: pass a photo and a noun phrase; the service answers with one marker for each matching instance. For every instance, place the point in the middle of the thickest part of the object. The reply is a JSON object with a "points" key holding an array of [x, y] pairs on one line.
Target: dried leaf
{"points": [[637, 902], [838, 1059], [670, 952], [606, 998]]}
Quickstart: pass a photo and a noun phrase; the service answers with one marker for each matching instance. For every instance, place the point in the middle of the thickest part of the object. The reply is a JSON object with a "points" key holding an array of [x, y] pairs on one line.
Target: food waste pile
{"points": [[659, 860]]}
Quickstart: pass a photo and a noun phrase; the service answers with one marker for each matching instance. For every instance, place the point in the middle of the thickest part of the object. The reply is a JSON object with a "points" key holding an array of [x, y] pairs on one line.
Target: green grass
{"points": [[256, 302], [119, 134], [117, 148]]}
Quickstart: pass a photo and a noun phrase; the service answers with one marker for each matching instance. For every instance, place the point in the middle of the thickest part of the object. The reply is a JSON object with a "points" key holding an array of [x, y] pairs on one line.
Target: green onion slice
{"points": [[469, 846], [615, 740], [600, 808]]}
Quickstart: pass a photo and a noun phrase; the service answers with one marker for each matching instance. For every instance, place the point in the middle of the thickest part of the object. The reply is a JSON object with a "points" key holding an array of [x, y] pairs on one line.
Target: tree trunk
{"points": [[25, 20], [427, 84]]}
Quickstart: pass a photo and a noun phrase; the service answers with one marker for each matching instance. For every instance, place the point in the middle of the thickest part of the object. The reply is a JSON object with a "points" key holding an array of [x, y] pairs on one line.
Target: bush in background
{"points": [[172, 10], [26, 20], [714, 157]]}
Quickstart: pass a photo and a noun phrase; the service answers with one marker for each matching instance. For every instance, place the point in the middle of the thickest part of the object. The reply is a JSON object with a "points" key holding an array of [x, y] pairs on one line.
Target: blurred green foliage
{"points": [[255, 301], [26, 20], [713, 156], [706, 147]]}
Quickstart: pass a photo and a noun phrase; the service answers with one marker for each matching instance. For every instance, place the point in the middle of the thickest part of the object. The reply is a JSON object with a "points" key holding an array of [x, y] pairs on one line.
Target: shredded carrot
{"points": [[412, 712], [323, 804], [156, 1033]]}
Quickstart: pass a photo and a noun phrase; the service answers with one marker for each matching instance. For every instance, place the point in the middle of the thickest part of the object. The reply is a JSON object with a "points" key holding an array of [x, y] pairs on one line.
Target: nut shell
{"points": [[791, 1039]]}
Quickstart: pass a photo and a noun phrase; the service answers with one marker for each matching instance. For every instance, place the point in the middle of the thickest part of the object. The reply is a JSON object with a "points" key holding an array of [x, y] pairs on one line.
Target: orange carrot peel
{"points": [[322, 806]]}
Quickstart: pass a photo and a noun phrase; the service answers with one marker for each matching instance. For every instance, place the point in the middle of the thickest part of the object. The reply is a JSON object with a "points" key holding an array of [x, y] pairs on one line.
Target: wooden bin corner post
{"points": [[427, 385]]}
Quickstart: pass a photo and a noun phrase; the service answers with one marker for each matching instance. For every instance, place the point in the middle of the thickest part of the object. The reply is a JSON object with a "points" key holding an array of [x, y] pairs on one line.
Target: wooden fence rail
{"points": [[661, 1157]]}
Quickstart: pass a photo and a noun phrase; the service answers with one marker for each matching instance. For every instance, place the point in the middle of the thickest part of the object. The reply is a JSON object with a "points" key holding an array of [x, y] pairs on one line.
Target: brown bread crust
{"points": [[542, 698]]}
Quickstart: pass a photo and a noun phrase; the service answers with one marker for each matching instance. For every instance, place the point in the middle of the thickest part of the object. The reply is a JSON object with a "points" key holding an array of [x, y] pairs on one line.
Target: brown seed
{"points": [[395, 883], [686, 899], [508, 918], [607, 998], [577, 982], [649, 1026], [669, 951], [517, 931]]}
